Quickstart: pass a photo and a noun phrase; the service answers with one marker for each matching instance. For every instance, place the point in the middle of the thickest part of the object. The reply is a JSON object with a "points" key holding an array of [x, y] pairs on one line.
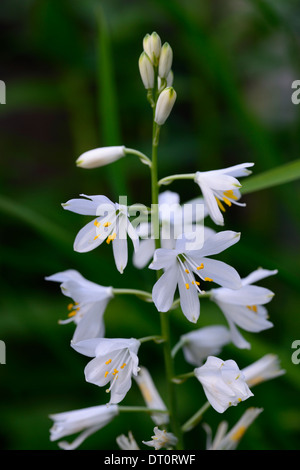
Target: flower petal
{"points": [[221, 273], [189, 300], [164, 290], [257, 275]]}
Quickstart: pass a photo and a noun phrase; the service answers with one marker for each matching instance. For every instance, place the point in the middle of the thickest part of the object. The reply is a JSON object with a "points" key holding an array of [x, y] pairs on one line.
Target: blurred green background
{"points": [[72, 84]]}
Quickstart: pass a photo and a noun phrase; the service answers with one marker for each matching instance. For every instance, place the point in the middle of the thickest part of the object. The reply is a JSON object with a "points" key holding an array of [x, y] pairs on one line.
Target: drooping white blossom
{"points": [[115, 362], [223, 383], [100, 156], [244, 307], [127, 443], [265, 368], [161, 438], [230, 440], [221, 187], [197, 345], [111, 224], [85, 421], [151, 396], [182, 264], [90, 301]]}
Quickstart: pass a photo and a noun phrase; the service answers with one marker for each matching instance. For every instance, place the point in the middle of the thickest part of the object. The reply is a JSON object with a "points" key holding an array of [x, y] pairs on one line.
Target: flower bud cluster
{"points": [[155, 65]]}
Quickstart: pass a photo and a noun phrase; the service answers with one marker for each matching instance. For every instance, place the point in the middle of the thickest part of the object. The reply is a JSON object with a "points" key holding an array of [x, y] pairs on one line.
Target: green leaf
{"points": [[276, 176]]}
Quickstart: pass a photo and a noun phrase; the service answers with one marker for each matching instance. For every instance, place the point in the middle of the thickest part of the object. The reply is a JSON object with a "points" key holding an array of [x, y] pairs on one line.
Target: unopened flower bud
{"points": [[152, 47], [165, 60], [100, 156], [146, 71], [164, 105]]}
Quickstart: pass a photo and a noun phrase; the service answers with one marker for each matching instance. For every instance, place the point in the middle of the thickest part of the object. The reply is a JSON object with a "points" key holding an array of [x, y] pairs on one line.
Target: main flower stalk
{"points": [[164, 318]]}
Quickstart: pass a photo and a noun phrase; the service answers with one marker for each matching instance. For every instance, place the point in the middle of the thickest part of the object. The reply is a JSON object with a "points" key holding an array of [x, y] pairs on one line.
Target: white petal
{"points": [[144, 253], [87, 347], [189, 300], [212, 205], [246, 295], [91, 325], [164, 290], [216, 243], [86, 238], [221, 273], [87, 206], [257, 275], [163, 259], [120, 248]]}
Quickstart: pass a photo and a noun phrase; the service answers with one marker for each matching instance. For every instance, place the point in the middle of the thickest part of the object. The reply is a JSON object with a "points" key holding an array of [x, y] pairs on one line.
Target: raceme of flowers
{"points": [[171, 240]]}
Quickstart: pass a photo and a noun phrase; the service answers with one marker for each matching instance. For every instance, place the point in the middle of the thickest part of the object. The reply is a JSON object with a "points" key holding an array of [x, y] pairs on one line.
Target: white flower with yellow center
{"points": [[245, 307], [85, 421], [88, 306], [111, 224], [230, 440], [223, 383], [221, 188], [161, 438], [115, 362], [180, 266]]}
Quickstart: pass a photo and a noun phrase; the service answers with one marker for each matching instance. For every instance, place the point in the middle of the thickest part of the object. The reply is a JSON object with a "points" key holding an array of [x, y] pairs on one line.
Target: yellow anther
{"points": [[95, 238], [107, 224], [208, 279], [200, 267], [227, 201], [96, 223], [70, 306], [252, 307], [72, 314], [239, 400], [111, 238], [230, 194], [187, 271], [237, 377], [239, 433], [187, 286], [123, 365], [108, 362], [106, 374], [196, 282], [115, 372], [220, 205]]}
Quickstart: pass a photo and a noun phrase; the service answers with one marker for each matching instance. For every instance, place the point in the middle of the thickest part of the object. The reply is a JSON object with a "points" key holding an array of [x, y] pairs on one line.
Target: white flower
{"points": [[115, 361], [197, 345], [161, 439], [90, 301], [245, 307], [180, 267], [85, 421], [112, 223], [146, 71], [165, 61], [223, 383], [175, 219], [151, 396], [100, 156], [230, 441], [127, 443], [164, 105], [221, 186], [266, 368]]}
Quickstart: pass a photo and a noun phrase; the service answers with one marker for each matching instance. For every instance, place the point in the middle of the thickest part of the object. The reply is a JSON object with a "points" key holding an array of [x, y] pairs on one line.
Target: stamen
{"points": [[111, 238], [123, 365], [106, 374], [187, 271], [95, 238], [107, 224], [187, 286], [70, 306], [108, 362], [96, 223], [72, 314], [238, 434], [227, 201], [115, 372], [230, 194], [208, 279], [200, 267], [220, 205], [252, 307]]}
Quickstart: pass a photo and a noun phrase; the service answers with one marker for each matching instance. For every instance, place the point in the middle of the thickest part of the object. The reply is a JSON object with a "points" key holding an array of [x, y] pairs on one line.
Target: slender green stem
{"points": [[164, 317], [138, 409], [144, 159], [169, 179], [155, 338], [196, 418], [139, 293], [178, 379]]}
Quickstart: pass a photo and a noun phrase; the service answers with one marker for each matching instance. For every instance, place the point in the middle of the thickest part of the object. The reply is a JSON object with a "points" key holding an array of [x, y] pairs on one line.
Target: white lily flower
{"points": [[85, 421], [127, 443], [161, 439], [266, 368], [245, 307], [182, 264], [90, 301], [231, 440], [221, 186], [100, 156], [151, 396], [223, 383], [112, 224], [115, 362], [197, 345], [175, 219]]}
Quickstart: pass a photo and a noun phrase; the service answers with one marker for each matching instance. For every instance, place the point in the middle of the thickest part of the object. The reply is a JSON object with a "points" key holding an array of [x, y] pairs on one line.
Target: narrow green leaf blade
{"points": [[276, 176]]}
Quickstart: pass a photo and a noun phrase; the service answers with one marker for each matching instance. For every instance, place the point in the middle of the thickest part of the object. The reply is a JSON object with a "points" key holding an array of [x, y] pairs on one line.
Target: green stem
{"points": [[169, 179], [138, 409], [155, 338], [164, 318], [144, 159], [139, 293], [196, 418]]}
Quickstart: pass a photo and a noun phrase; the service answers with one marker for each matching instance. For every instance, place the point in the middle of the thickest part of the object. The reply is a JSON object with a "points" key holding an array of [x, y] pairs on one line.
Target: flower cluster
{"points": [[169, 238]]}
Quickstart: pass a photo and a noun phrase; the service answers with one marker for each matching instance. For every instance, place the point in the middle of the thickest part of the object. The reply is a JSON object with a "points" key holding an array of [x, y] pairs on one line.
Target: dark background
{"points": [[72, 84]]}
